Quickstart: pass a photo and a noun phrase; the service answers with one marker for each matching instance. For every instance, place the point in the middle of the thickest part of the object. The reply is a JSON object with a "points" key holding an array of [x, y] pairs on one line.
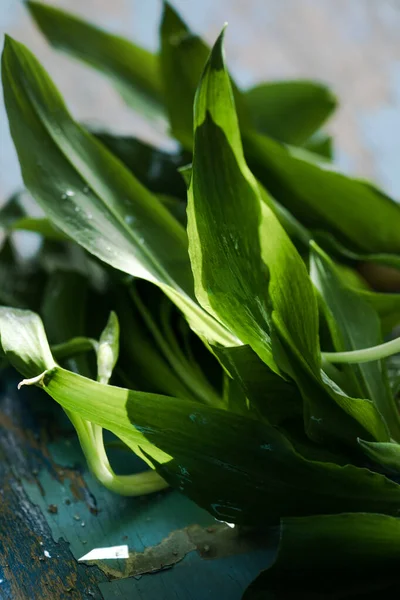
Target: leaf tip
{"points": [[217, 58]]}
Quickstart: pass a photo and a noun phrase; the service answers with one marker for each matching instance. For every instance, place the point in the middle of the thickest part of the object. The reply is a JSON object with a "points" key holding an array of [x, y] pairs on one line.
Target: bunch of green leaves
{"points": [[219, 309]]}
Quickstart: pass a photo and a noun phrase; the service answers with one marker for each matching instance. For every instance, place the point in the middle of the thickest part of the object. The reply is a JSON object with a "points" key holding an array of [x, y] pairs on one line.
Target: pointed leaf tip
{"points": [[217, 57]]}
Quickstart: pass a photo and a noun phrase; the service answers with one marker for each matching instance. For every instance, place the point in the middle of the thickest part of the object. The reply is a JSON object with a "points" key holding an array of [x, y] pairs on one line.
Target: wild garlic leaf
{"points": [[24, 341], [269, 395], [232, 234], [386, 305], [354, 325], [134, 70], [355, 212], [321, 144], [90, 195], [108, 350], [290, 111], [385, 454], [365, 567], [195, 448], [182, 60]]}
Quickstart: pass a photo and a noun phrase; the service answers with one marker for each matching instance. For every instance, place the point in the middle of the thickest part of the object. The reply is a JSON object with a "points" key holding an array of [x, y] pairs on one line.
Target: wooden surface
{"points": [[50, 504]]}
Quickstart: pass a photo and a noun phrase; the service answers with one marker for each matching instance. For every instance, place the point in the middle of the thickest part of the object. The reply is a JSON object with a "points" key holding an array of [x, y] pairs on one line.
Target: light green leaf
{"points": [[133, 69], [24, 341], [386, 305], [356, 213], [354, 325], [108, 350], [333, 556], [231, 232], [385, 454], [290, 111], [90, 195], [39, 225]]}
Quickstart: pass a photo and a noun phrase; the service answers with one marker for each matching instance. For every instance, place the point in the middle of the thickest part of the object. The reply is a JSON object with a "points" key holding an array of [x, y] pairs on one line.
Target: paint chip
{"points": [[106, 553]]}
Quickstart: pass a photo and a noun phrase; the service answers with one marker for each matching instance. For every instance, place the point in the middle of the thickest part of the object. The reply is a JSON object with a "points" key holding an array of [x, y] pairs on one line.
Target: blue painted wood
{"points": [[50, 502]]}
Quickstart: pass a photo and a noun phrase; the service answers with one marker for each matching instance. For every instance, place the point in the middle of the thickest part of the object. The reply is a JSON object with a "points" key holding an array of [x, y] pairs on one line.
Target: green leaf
{"points": [[133, 69], [386, 454], [64, 310], [99, 203], [322, 145], [240, 469], [269, 394], [386, 305], [231, 232], [156, 169], [182, 60], [39, 225], [290, 111], [333, 557], [198, 451], [108, 350], [354, 325], [24, 341], [356, 213]]}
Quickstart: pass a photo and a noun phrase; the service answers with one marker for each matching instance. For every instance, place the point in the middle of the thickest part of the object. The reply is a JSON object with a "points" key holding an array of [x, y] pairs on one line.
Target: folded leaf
{"points": [[333, 557], [89, 194], [386, 454], [354, 325], [290, 111], [231, 233], [24, 341], [359, 215], [133, 69]]}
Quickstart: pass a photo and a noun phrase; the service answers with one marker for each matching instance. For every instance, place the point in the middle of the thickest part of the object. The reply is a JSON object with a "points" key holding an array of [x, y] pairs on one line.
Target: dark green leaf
{"points": [[356, 213], [354, 325], [269, 395], [333, 557], [290, 111], [133, 69], [156, 169], [182, 60], [322, 145]]}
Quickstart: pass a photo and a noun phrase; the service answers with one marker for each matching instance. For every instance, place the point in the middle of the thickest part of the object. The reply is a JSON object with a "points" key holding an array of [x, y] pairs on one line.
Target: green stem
{"points": [[72, 347], [183, 369], [91, 441], [364, 355]]}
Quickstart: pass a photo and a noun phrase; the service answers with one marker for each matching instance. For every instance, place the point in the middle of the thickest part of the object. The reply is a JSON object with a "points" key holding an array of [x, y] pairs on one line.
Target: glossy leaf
{"points": [[333, 557], [359, 215], [250, 486], [133, 69], [99, 202], [386, 454], [290, 111], [354, 325], [231, 232]]}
